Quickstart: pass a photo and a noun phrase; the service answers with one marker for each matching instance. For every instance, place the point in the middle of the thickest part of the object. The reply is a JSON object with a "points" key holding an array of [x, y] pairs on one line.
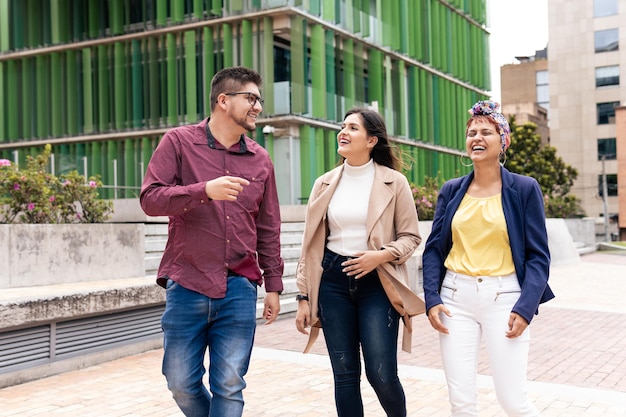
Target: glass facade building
{"points": [[101, 81]]}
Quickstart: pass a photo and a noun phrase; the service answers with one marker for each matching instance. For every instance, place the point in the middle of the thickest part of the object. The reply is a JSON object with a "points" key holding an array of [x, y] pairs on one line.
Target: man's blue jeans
{"points": [[191, 323], [357, 312]]}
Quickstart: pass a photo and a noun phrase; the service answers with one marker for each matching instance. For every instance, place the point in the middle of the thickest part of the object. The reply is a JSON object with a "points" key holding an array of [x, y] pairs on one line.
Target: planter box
{"points": [[44, 254]]}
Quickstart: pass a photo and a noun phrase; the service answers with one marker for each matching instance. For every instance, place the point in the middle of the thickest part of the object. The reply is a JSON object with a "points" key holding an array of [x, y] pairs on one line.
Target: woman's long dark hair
{"points": [[384, 152]]}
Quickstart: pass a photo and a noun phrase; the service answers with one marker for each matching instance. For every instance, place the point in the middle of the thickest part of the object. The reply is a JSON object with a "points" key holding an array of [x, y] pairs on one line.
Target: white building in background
{"points": [[587, 81]]}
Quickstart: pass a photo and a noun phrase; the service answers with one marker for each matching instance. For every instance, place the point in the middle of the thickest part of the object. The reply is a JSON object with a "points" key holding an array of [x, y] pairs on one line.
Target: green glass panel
{"points": [[331, 74], [209, 66], [349, 87], [102, 96], [318, 151], [129, 169], [177, 10], [331, 157], [268, 65], [110, 172], [172, 80], [365, 18], [136, 84], [93, 18], [216, 7], [3, 106], [359, 74], [356, 16], [17, 14], [401, 97], [120, 89], [88, 98], [307, 154], [95, 160], [191, 78], [153, 93], [78, 8], [198, 9], [318, 72], [146, 153], [116, 16], [375, 76], [56, 97], [298, 65], [247, 44], [228, 45], [161, 12], [42, 94], [25, 81], [72, 93], [5, 25]]}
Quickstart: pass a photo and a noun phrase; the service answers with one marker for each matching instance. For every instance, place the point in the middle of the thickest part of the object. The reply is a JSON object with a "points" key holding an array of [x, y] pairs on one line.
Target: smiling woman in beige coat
{"points": [[361, 227]]}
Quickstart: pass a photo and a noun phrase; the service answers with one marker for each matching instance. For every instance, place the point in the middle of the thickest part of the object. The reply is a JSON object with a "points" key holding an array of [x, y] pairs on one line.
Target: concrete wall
{"points": [[44, 254]]}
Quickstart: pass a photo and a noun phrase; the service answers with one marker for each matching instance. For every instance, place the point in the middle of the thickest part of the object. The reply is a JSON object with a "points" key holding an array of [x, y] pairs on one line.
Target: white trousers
{"points": [[480, 308]]}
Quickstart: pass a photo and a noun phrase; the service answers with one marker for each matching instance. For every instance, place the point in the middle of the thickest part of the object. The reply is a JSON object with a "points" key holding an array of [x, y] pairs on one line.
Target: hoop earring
{"points": [[503, 157], [463, 162]]}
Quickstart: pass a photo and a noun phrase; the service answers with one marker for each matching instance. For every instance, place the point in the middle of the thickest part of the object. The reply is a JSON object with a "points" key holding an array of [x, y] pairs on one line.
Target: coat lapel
{"points": [[320, 202], [380, 196]]}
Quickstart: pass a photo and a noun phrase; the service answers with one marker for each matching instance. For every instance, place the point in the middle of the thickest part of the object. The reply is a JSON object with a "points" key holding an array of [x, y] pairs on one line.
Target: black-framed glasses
{"points": [[252, 98]]}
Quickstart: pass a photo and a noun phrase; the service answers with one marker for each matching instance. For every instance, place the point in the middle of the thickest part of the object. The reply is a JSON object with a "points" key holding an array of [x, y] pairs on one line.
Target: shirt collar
{"points": [[243, 147]]}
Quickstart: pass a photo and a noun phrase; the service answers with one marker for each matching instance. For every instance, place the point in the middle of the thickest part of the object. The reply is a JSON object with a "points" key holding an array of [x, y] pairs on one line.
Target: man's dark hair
{"points": [[232, 79]]}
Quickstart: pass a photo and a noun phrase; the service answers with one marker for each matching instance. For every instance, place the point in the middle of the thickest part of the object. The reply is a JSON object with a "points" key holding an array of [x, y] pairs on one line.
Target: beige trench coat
{"points": [[392, 224]]}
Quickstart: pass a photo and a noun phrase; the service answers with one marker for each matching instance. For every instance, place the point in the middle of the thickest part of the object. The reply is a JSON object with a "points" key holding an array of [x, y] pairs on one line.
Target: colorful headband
{"points": [[491, 109]]}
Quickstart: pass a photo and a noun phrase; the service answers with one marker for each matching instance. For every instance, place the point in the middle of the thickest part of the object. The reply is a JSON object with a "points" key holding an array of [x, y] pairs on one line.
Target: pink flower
{"points": [[52, 198], [66, 182], [31, 206], [5, 163], [92, 184], [16, 186]]}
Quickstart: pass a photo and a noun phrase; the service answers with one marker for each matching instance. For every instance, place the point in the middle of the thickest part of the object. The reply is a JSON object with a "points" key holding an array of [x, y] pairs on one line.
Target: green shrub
{"points": [[33, 195]]}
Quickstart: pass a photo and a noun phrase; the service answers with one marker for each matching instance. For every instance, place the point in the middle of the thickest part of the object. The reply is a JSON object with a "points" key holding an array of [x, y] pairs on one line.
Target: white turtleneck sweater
{"points": [[347, 211]]}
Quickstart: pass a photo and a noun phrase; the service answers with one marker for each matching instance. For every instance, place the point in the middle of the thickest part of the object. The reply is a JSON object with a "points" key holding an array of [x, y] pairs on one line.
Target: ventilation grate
{"points": [[28, 346], [103, 332]]}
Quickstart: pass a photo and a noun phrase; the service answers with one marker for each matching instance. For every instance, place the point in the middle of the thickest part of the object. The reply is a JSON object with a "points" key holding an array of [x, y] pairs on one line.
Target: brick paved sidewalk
{"points": [[577, 366]]}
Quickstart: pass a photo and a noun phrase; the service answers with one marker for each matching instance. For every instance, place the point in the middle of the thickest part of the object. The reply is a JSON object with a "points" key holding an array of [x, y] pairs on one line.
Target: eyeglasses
{"points": [[252, 98]]}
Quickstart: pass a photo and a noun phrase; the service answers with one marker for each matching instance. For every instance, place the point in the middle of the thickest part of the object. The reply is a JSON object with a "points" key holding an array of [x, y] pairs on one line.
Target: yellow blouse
{"points": [[480, 241]]}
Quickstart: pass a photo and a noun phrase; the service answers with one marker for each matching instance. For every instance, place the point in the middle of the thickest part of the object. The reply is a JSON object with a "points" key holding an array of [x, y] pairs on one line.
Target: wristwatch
{"points": [[302, 297]]}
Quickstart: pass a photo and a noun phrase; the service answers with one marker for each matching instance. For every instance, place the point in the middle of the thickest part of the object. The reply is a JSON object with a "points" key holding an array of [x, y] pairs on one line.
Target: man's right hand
{"points": [[225, 188]]}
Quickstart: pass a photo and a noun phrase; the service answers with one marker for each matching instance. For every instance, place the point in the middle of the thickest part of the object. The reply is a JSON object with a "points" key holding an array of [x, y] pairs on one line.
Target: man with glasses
{"points": [[218, 188]]}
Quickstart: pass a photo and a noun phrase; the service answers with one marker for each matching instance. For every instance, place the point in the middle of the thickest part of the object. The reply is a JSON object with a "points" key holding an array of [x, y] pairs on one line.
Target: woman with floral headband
{"points": [[486, 266]]}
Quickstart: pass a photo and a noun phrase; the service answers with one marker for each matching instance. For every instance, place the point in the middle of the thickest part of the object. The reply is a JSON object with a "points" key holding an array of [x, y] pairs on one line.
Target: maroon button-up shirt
{"points": [[207, 238]]}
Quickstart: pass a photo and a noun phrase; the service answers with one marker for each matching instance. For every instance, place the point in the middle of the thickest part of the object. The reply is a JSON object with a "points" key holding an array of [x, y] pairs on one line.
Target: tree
{"points": [[528, 156]]}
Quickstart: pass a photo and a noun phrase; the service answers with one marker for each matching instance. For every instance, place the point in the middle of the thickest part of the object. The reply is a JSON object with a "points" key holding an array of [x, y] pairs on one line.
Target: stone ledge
{"points": [[29, 306]]}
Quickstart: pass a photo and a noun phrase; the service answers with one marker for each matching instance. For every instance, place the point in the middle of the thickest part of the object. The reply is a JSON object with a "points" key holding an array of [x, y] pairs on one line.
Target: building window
{"points": [[603, 8], [611, 185], [607, 76], [606, 149], [606, 40], [606, 112], [543, 90]]}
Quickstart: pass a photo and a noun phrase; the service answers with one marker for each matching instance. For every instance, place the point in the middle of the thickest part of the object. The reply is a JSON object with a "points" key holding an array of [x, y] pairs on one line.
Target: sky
{"points": [[518, 28]]}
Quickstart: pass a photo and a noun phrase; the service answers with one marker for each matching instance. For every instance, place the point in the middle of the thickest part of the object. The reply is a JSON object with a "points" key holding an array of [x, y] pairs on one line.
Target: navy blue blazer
{"points": [[522, 202]]}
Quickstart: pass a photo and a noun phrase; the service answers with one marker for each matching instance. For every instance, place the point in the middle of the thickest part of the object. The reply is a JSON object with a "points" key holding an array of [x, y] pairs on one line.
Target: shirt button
{"points": [[480, 280], [201, 201]]}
